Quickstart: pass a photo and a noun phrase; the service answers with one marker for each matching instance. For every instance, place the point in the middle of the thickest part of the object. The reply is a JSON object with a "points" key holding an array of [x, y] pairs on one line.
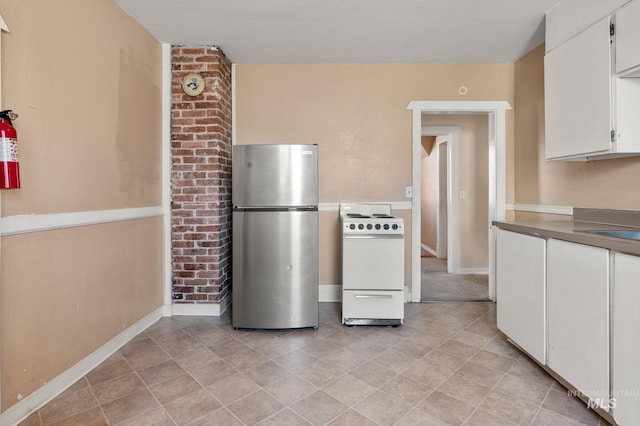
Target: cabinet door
{"points": [[625, 381], [568, 17], [578, 316], [578, 94], [520, 290], [628, 37]]}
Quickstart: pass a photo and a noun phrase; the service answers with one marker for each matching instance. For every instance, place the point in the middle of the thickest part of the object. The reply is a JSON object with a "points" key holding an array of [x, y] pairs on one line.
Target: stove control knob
{"points": [[386, 226], [360, 226], [394, 226], [352, 226], [377, 226], [369, 226]]}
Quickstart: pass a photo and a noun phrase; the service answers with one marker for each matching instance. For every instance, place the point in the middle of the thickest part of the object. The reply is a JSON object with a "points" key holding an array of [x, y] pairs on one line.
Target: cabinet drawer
{"points": [[365, 304]]}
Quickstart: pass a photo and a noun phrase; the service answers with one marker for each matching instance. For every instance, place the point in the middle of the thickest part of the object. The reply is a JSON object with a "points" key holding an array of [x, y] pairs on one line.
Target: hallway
{"points": [[439, 286]]}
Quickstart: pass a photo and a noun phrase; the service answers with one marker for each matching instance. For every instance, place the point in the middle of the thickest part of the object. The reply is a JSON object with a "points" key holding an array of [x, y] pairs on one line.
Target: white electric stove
{"points": [[372, 265]]}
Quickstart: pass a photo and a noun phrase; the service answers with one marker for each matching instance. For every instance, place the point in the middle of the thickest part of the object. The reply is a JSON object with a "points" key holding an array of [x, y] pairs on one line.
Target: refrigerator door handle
{"points": [[276, 209]]}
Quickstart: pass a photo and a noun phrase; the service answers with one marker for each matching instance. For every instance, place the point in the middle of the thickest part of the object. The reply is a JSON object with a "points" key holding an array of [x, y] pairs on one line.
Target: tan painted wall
{"points": [[600, 184], [357, 115], [86, 81]]}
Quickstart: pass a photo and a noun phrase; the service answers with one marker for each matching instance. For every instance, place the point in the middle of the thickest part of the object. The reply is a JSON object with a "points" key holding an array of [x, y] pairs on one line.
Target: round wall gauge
{"points": [[192, 84]]}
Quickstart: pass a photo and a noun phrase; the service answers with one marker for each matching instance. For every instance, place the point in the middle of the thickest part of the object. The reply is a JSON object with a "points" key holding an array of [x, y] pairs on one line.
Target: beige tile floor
{"points": [[448, 364]]}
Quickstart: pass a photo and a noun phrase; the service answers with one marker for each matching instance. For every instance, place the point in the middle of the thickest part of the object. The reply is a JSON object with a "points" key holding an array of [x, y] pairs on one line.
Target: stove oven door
{"points": [[373, 262]]}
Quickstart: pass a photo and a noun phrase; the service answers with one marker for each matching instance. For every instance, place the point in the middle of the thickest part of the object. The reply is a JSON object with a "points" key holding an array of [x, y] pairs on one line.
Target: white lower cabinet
{"points": [[625, 381], [578, 317], [574, 308], [520, 291]]}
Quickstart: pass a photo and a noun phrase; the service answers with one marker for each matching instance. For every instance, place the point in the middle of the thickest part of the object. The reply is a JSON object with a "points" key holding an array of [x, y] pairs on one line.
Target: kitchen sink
{"points": [[618, 233]]}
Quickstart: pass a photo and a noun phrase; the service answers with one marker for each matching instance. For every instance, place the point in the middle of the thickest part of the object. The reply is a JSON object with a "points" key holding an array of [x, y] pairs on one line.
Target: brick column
{"points": [[201, 177]]}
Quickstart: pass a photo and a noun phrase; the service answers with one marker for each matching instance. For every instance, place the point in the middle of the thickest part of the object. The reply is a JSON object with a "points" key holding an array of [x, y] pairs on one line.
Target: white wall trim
{"points": [[326, 293], [541, 208], [233, 104], [166, 171], [3, 27], [329, 207], [474, 271], [50, 390], [329, 293], [202, 309], [395, 205], [26, 223]]}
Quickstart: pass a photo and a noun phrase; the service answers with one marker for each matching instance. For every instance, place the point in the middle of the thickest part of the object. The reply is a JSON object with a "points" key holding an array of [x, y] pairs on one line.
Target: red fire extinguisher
{"points": [[9, 168]]}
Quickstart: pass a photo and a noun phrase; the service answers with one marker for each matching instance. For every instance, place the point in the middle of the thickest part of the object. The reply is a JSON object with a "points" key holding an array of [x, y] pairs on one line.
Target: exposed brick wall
{"points": [[201, 177]]}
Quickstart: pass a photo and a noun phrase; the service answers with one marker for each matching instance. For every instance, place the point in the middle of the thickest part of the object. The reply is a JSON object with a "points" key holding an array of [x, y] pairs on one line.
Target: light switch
{"points": [[462, 194], [408, 191]]}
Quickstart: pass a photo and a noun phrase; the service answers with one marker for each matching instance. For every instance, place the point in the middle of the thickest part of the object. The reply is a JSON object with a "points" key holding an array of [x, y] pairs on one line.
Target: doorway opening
{"points": [[457, 271], [495, 113]]}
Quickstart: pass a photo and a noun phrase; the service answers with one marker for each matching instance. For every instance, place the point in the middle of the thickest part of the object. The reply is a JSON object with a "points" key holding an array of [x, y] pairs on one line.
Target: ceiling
{"points": [[349, 31]]}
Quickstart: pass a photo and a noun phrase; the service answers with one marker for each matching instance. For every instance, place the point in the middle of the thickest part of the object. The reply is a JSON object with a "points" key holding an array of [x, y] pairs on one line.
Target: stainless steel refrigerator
{"points": [[275, 236]]}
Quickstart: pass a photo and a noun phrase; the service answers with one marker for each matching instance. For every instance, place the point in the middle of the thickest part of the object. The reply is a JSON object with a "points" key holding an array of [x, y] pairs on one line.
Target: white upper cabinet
{"points": [[591, 113], [627, 24], [568, 17], [578, 94]]}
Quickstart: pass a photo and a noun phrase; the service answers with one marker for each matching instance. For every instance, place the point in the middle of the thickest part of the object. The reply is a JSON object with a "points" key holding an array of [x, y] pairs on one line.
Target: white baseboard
{"points": [[330, 293], [201, 309], [474, 271], [46, 393], [326, 293]]}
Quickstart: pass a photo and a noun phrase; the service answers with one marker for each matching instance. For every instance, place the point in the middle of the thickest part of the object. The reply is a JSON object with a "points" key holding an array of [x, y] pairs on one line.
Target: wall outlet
{"points": [[408, 192]]}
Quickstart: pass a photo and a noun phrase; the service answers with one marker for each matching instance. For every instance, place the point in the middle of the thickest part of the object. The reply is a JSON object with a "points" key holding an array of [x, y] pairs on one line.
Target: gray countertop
{"points": [[583, 220]]}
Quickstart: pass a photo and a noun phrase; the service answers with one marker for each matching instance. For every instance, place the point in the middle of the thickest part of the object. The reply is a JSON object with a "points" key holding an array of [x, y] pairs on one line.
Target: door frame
{"points": [[496, 111], [442, 216]]}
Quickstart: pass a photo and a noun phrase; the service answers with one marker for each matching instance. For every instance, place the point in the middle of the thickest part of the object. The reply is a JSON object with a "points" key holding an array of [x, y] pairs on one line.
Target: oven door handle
{"points": [[373, 296], [374, 237]]}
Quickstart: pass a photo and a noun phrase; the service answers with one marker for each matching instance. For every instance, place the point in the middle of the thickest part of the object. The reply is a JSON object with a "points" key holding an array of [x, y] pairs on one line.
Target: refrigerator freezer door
{"points": [[275, 269], [275, 175]]}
